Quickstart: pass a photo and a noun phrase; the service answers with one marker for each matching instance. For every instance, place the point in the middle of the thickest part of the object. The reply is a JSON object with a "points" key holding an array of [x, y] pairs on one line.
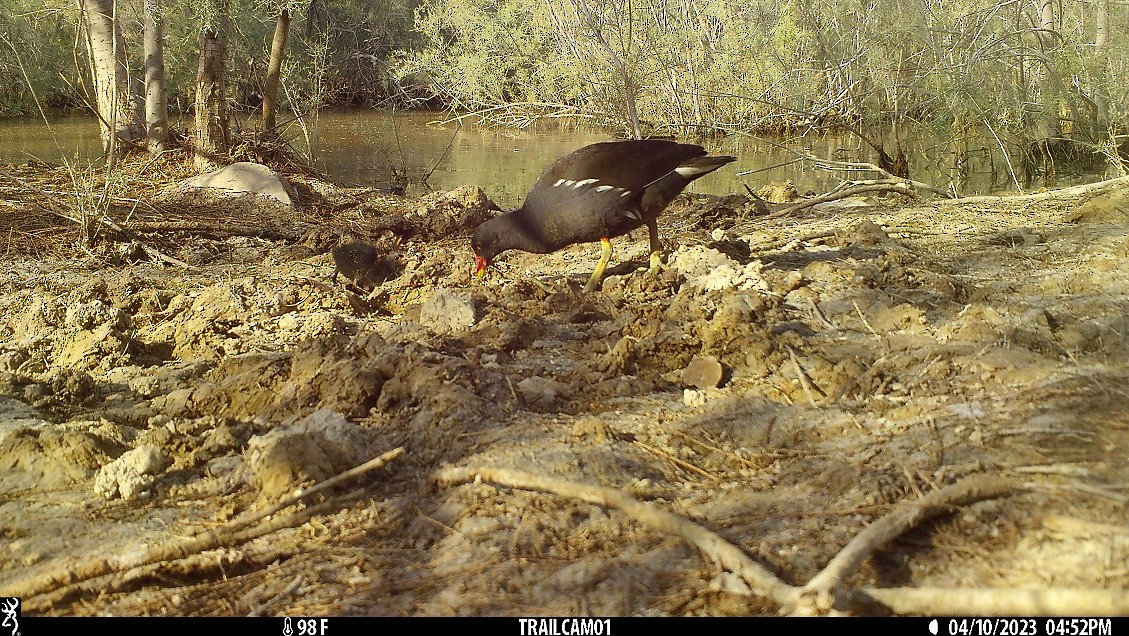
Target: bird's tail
{"points": [[699, 166], [660, 193]]}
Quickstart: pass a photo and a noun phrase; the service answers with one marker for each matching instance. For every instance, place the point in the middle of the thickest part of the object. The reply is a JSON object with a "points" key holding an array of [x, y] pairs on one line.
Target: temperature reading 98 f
{"points": [[311, 626]]}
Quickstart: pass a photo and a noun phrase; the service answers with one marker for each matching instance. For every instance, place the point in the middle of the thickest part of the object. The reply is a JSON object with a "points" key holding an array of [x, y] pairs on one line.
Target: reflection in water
{"points": [[364, 147]]}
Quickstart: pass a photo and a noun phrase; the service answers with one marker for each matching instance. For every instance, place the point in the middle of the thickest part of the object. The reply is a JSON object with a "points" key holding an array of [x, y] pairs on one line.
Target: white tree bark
{"points": [[108, 70], [1101, 51], [156, 89]]}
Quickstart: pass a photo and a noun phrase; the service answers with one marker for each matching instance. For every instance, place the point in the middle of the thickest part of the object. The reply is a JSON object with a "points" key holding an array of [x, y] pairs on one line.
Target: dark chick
{"points": [[597, 193], [364, 265]]}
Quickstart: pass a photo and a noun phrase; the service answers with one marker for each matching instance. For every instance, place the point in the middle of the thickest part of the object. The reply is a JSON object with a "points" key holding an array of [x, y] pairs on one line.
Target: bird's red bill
{"points": [[479, 264]]}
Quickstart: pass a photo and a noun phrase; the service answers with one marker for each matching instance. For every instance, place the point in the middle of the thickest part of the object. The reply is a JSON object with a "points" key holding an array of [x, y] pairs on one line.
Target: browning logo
{"points": [[10, 611]]}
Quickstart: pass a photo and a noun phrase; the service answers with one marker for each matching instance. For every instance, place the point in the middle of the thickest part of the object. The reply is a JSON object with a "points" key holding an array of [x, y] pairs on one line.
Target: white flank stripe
{"points": [[559, 181], [626, 193], [584, 183], [689, 171], [635, 215], [604, 188]]}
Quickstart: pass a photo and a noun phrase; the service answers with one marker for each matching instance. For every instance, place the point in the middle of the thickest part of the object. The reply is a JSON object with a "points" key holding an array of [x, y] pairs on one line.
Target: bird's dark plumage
{"points": [[364, 265], [599, 192]]}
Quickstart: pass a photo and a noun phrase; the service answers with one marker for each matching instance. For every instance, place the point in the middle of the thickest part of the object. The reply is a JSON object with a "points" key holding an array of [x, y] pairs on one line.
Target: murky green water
{"points": [[372, 147]]}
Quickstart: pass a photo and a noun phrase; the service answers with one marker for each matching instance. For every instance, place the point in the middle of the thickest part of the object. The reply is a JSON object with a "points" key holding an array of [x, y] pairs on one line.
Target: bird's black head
{"points": [[486, 244]]}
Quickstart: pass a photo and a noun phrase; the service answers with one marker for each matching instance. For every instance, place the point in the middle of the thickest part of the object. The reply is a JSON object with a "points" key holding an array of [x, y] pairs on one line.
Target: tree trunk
{"points": [[108, 70], [274, 68], [1048, 87], [1101, 53], [156, 89], [212, 135]]}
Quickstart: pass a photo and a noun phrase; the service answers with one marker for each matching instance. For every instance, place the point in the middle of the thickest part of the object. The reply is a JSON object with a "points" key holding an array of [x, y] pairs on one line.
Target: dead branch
{"points": [[889, 183], [725, 554], [901, 186], [1002, 602], [806, 381], [829, 164], [906, 516], [910, 188], [45, 197], [685, 465], [373, 464], [211, 229], [233, 533], [1071, 192], [199, 563]]}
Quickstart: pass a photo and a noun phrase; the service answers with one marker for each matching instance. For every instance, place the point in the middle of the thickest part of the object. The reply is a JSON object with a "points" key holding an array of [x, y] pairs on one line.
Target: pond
{"points": [[366, 147]]}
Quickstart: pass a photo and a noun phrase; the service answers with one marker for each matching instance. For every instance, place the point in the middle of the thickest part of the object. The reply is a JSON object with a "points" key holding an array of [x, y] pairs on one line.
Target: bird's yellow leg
{"points": [[597, 275], [656, 246]]}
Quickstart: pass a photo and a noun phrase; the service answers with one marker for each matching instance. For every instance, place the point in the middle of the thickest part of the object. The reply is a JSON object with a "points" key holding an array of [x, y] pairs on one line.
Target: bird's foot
{"points": [[657, 264]]}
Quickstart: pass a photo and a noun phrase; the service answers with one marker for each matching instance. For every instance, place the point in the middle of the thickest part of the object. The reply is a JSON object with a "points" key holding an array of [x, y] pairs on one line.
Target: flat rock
{"points": [[703, 372], [244, 177], [544, 388], [131, 474], [1110, 207], [298, 455], [448, 312]]}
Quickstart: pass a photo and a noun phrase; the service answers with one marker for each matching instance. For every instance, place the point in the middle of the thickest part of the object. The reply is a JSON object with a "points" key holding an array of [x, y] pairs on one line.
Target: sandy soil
{"points": [[871, 352]]}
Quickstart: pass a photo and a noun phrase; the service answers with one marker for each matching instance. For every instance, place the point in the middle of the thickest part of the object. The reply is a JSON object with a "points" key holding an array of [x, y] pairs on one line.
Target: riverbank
{"points": [[198, 364]]}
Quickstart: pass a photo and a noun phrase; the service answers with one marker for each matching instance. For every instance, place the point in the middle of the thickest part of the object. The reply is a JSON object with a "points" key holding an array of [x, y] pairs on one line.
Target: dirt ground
{"points": [[199, 366]]}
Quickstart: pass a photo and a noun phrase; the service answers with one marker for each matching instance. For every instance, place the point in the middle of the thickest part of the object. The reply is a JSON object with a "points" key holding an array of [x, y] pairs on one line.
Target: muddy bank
{"points": [[869, 352]]}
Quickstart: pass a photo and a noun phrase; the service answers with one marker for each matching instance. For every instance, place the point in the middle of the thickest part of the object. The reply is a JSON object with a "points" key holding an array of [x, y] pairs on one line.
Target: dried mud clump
{"points": [[437, 215]]}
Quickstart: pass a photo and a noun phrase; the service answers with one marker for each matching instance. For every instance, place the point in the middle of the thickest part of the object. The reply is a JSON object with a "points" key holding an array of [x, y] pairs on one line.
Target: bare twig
{"points": [[906, 516], [900, 186], [805, 380], [450, 142], [233, 533], [720, 551], [678, 462], [1002, 602], [290, 589]]}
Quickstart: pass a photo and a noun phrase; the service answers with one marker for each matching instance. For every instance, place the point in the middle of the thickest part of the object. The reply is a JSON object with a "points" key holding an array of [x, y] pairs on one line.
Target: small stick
{"points": [[270, 601], [725, 554], [371, 465], [804, 379], [233, 533], [865, 322], [904, 517], [1001, 602], [819, 314], [678, 462]]}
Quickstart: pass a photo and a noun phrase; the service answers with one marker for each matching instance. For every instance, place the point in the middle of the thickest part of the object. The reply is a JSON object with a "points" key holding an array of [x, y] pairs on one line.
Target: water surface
{"points": [[365, 147]]}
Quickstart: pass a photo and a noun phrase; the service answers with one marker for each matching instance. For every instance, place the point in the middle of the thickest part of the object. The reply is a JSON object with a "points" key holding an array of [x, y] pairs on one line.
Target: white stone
{"points": [[244, 177]]}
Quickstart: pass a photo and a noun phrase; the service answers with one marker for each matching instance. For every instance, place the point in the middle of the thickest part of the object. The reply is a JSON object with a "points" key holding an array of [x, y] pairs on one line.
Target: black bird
{"points": [[364, 265], [597, 193]]}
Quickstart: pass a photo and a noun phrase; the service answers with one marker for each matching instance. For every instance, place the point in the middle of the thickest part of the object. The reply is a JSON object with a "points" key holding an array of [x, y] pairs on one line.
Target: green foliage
{"points": [[729, 64], [361, 36], [36, 39], [479, 52], [687, 66]]}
